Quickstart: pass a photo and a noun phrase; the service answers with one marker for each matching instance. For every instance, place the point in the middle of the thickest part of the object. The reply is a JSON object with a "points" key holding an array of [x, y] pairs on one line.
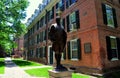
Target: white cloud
{"points": [[31, 8]]}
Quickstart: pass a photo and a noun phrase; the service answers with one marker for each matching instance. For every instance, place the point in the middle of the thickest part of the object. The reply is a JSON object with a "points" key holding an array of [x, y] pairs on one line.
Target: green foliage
{"points": [[12, 12]]}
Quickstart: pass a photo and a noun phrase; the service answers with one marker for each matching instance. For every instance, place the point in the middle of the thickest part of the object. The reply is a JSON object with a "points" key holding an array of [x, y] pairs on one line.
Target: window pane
{"points": [[74, 44], [74, 54], [73, 1], [113, 43], [74, 50], [110, 19], [73, 21], [114, 50], [72, 17]]}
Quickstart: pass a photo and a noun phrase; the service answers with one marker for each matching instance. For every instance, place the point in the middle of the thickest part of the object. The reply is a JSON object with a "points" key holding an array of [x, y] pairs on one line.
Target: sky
{"points": [[31, 8]]}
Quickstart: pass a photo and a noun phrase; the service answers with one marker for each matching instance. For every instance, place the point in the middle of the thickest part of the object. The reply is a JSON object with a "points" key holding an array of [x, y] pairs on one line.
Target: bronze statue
{"points": [[58, 37]]}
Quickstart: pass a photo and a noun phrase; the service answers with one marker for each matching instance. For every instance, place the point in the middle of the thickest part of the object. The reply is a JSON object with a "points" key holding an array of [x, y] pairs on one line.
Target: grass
{"points": [[43, 72], [2, 65], [39, 72], [77, 75], [24, 63]]}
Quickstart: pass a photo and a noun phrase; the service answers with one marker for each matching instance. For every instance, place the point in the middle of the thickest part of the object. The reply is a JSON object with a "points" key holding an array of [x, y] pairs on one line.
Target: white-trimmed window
{"points": [[109, 14], [73, 22], [113, 48], [113, 42], [72, 19], [74, 49]]}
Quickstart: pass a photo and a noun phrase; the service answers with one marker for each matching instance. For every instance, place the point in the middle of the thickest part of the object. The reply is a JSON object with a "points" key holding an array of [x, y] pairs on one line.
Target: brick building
{"points": [[93, 34], [18, 51]]}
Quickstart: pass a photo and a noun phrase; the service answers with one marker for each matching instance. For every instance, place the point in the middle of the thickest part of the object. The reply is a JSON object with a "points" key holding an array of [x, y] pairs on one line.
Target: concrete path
{"points": [[13, 71], [34, 67]]}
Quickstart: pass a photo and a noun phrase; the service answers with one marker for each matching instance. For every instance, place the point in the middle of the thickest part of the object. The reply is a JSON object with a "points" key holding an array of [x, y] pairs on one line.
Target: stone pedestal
{"points": [[62, 74]]}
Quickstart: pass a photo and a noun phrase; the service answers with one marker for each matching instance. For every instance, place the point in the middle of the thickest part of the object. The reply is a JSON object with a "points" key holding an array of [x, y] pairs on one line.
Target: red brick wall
{"points": [[107, 31], [87, 33], [19, 50]]}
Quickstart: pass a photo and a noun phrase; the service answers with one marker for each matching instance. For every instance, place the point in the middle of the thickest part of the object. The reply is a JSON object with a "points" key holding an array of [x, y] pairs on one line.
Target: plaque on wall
{"points": [[87, 47]]}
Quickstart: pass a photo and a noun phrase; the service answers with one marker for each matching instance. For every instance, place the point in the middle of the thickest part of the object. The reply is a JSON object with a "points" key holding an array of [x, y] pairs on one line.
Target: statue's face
{"points": [[52, 29]]}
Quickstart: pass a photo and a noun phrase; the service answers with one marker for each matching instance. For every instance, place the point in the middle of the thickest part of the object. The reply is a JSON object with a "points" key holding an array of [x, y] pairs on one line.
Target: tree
{"points": [[12, 13]]}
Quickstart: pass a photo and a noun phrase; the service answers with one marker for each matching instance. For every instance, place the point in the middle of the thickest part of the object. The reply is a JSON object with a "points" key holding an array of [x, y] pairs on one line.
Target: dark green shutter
{"points": [[38, 38], [69, 51], [45, 18], [62, 6], [118, 47], [79, 48], [109, 51], [52, 12], [67, 19], [45, 49], [45, 37], [64, 54], [63, 22], [104, 14], [70, 2], [39, 52], [37, 25], [48, 15], [67, 3], [77, 19], [114, 18], [56, 5]]}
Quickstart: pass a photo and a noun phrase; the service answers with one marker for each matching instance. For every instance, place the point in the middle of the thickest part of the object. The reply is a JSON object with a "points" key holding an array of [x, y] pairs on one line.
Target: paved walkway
{"points": [[34, 67], [13, 71]]}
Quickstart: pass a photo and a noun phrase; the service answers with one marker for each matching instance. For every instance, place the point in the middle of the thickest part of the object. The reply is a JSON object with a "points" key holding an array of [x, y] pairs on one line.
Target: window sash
{"points": [[109, 14], [114, 49], [72, 21], [74, 50]]}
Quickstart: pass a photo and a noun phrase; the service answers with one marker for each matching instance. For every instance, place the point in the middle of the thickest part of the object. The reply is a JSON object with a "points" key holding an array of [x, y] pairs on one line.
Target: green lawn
{"points": [[43, 72], [39, 72], [77, 75], [2, 65], [24, 63]]}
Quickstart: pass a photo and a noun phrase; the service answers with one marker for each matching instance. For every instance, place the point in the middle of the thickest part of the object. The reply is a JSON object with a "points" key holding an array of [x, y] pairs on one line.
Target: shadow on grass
{"points": [[2, 62], [24, 63]]}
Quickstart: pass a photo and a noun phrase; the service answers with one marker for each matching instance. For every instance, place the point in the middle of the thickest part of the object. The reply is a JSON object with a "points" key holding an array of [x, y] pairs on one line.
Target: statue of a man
{"points": [[58, 37]]}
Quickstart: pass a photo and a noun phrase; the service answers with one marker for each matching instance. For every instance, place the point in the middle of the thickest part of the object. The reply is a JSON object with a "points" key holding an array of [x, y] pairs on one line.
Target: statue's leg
{"points": [[58, 59], [59, 66]]}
